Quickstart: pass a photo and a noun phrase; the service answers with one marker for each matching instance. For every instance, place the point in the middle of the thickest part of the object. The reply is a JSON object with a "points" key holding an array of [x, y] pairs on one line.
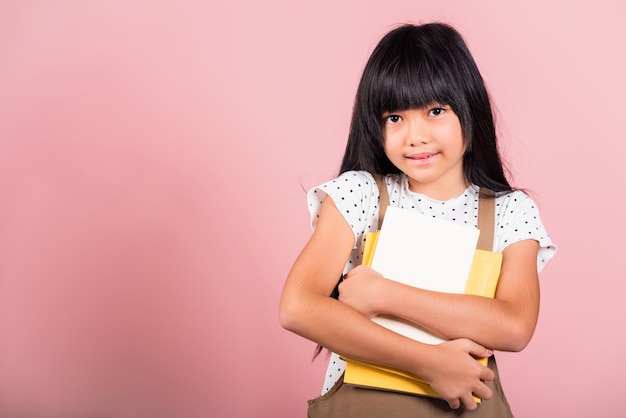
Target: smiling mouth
{"points": [[423, 156]]}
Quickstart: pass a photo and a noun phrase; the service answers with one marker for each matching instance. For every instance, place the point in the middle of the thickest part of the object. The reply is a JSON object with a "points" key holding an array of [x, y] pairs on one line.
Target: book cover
{"points": [[428, 253]]}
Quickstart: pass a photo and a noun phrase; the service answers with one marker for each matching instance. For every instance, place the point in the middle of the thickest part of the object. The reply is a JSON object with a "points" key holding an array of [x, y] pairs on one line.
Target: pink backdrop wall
{"points": [[153, 157]]}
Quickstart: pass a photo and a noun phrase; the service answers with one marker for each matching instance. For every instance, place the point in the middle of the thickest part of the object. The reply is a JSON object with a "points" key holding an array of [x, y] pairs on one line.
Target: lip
{"points": [[423, 158]]}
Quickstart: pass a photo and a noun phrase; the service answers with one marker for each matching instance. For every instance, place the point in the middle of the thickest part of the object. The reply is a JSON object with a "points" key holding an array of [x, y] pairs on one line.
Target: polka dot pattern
{"points": [[356, 196]]}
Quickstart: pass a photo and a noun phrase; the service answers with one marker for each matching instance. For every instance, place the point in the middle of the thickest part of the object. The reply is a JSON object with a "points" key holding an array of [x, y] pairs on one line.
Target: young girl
{"points": [[422, 119]]}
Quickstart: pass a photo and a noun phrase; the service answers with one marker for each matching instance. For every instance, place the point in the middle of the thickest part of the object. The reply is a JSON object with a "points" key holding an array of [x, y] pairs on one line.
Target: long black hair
{"points": [[412, 67]]}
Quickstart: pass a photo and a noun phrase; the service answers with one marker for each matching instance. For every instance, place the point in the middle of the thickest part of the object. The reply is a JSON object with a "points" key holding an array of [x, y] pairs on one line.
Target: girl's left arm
{"points": [[504, 323]]}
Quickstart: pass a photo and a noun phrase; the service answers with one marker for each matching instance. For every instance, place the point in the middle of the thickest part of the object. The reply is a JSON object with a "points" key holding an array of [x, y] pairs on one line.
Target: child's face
{"points": [[427, 145]]}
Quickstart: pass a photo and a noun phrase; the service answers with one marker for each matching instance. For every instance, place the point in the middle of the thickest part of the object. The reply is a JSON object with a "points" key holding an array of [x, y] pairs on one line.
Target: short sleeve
{"points": [[356, 196], [518, 219]]}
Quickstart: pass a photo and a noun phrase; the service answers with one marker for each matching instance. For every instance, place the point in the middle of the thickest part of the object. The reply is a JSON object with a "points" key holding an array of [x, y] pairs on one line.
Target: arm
{"points": [[506, 322], [307, 310]]}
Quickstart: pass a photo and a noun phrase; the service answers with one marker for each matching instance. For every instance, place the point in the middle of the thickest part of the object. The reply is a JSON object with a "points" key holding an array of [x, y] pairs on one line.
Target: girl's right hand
{"points": [[456, 375]]}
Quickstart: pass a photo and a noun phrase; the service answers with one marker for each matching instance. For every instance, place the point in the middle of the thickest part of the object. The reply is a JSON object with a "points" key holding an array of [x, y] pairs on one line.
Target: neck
{"points": [[439, 190]]}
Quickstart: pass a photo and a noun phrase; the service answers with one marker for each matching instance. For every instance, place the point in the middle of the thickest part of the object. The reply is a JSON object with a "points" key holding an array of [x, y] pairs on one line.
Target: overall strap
{"points": [[384, 197], [486, 216]]}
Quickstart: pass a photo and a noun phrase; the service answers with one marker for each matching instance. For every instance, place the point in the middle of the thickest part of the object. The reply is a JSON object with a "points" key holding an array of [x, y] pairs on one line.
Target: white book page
{"points": [[424, 252]]}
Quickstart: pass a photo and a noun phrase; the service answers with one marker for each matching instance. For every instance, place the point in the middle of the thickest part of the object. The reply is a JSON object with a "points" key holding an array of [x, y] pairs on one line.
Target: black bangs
{"points": [[407, 77], [411, 85]]}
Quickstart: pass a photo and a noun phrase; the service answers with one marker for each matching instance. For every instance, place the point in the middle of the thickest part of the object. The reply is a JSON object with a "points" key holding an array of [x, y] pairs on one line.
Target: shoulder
{"points": [[516, 203], [355, 195], [359, 179], [517, 219], [344, 187]]}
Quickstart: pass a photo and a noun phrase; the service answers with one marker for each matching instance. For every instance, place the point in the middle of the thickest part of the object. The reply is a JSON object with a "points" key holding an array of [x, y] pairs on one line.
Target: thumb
{"points": [[478, 350]]}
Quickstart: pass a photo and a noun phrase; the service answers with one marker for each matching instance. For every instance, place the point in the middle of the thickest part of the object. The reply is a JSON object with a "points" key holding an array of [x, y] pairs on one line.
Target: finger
{"points": [[468, 402], [487, 374], [483, 392], [455, 404]]}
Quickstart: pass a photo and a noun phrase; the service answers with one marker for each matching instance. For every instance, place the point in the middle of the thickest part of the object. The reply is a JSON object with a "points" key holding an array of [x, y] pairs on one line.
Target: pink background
{"points": [[153, 162]]}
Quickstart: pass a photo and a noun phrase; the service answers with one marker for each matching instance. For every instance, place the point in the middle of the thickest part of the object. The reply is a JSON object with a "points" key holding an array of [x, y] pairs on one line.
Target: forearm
{"points": [[450, 368], [489, 322], [506, 322], [343, 330]]}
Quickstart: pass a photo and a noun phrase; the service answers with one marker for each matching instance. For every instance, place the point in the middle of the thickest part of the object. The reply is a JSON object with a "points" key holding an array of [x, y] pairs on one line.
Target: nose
{"points": [[417, 132]]}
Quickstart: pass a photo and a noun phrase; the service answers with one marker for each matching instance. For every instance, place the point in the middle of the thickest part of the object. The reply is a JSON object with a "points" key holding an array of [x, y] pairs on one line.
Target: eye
{"points": [[392, 118], [436, 111]]}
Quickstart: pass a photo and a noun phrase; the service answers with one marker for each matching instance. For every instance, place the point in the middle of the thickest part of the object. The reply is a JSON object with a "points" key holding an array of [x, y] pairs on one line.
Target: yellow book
{"points": [[482, 280]]}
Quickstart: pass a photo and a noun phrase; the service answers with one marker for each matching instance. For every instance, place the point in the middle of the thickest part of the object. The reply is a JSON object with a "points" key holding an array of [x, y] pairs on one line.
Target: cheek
{"points": [[388, 148], [391, 138], [390, 144], [456, 138]]}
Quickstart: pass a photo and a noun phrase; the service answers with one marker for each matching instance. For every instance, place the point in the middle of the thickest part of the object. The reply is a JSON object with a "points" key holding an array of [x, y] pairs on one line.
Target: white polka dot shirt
{"points": [[356, 196]]}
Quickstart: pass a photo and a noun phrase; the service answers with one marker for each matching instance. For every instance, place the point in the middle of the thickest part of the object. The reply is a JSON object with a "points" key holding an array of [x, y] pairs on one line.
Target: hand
{"points": [[361, 289], [457, 376]]}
